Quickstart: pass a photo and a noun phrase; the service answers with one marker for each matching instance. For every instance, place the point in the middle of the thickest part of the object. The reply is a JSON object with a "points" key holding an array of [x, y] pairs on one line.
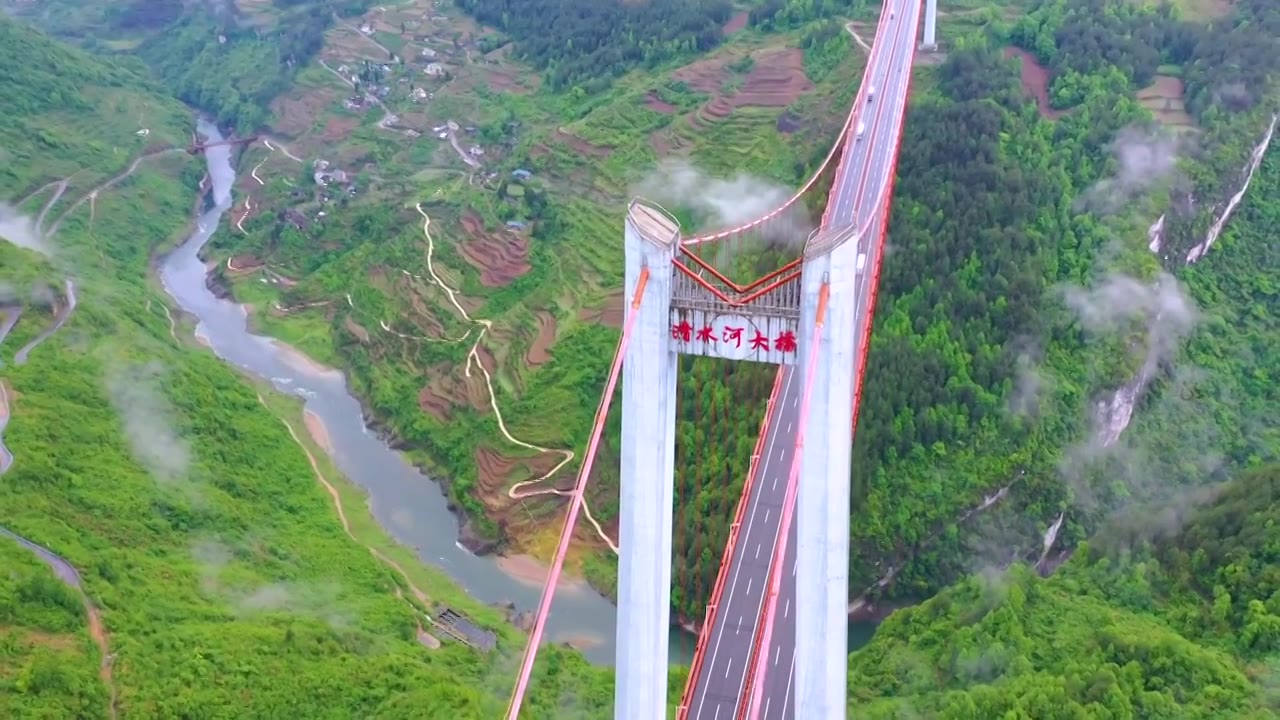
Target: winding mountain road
{"points": [[20, 358]]}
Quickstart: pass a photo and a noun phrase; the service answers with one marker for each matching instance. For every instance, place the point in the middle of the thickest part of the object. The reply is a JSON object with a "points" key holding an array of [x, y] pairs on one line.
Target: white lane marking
{"points": [[750, 581], [737, 570], [766, 514], [786, 611], [777, 653], [786, 698], [727, 667], [791, 374], [766, 707], [717, 711], [758, 549]]}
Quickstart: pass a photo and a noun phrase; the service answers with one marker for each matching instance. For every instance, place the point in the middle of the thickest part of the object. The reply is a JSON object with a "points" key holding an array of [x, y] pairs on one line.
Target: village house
{"points": [[323, 178], [434, 69]]}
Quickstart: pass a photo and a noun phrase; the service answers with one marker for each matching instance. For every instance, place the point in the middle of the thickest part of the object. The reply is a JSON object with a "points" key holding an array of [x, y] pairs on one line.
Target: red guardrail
{"points": [[723, 575]]}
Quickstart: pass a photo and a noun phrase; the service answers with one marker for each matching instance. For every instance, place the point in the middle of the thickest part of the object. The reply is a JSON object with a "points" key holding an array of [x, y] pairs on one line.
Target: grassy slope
{"points": [[226, 582]]}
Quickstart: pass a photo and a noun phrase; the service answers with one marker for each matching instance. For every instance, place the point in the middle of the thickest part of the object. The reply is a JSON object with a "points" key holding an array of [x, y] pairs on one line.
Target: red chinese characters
{"points": [[733, 335], [682, 331], [786, 342], [706, 335], [760, 341]]}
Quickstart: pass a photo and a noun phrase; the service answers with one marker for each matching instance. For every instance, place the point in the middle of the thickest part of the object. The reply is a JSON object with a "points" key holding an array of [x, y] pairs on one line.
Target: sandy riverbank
{"points": [[319, 433], [524, 569], [299, 361]]}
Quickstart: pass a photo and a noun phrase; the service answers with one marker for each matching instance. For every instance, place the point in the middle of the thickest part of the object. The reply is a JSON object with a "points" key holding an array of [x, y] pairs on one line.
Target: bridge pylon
{"points": [[930, 42], [832, 258], [652, 238], [692, 308]]}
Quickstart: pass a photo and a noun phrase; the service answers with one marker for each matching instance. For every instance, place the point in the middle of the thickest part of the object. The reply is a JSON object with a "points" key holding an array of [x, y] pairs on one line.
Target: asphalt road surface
{"points": [[858, 195]]}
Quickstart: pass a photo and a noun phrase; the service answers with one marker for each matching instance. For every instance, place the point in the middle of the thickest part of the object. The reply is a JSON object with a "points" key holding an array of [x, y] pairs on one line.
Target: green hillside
{"points": [[225, 583], [1185, 627]]}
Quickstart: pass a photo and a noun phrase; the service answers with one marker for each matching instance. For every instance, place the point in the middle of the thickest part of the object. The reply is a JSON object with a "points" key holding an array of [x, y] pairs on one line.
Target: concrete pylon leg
{"points": [[648, 473], [930, 25], [822, 512]]}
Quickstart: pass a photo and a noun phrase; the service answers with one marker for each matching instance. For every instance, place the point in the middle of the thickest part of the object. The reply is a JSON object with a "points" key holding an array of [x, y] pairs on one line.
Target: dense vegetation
{"points": [[217, 56], [220, 63], [226, 583], [1181, 628], [1015, 234], [588, 44]]}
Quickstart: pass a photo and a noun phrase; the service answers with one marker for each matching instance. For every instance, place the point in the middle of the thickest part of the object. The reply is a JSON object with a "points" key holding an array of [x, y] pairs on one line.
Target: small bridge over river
{"points": [[197, 145]]}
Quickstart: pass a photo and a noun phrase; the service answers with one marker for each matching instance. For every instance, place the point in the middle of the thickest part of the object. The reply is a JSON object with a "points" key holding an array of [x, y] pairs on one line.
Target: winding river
{"points": [[407, 503]]}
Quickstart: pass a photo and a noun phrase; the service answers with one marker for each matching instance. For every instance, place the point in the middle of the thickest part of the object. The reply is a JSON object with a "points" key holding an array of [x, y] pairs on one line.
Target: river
{"points": [[407, 503]]}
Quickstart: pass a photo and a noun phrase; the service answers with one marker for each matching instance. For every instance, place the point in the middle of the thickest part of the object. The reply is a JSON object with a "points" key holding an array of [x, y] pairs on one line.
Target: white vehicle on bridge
{"points": [[871, 93], [862, 127], [862, 261]]}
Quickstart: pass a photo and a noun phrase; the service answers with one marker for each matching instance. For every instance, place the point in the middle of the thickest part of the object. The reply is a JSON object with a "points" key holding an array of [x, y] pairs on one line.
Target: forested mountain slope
{"points": [[1186, 626], [231, 59], [201, 569]]}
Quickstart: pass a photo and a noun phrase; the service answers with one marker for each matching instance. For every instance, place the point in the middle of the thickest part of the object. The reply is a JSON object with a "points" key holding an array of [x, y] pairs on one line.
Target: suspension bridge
{"points": [[774, 642]]}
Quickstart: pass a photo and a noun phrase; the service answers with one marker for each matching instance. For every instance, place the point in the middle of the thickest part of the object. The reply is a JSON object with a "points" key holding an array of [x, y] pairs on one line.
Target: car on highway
{"points": [[862, 127], [862, 262], [871, 93]]}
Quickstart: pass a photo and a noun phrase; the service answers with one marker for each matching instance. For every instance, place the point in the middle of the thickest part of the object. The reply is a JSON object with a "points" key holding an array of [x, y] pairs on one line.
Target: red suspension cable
{"points": [[760, 654], [575, 506]]}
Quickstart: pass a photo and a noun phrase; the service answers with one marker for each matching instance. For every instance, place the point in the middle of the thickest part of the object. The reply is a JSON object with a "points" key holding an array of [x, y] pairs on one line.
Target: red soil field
{"points": [[736, 23], [448, 387], [539, 351], [337, 129], [504, 81], [656, 104], [582, 146], [611, 314], [1035, 81], [776, 79], [500, 257], [496, 472], [356, 329]]}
